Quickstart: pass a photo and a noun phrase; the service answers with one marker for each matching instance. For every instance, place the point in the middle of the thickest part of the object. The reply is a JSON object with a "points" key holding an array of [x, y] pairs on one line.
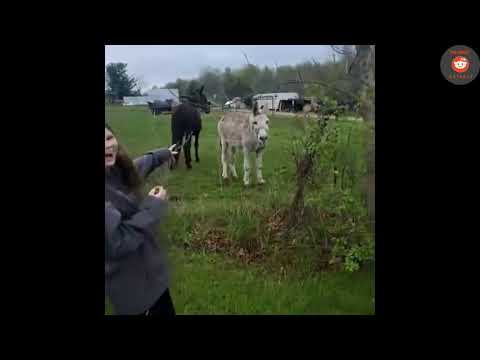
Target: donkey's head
{"points": [[204, 104], [259, 124], [197, 99]]}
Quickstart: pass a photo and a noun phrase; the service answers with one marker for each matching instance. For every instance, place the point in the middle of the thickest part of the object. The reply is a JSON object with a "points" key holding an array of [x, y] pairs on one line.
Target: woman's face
{"points": [[111, 148]]}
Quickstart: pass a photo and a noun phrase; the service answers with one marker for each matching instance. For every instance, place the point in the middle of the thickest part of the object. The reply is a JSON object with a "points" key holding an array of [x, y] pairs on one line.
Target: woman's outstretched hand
{"points": [[173, 153], [173, 149]]}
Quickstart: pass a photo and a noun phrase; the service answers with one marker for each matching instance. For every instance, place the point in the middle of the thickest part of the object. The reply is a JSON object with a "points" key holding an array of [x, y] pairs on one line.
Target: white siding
{"points": [[272, 100]]}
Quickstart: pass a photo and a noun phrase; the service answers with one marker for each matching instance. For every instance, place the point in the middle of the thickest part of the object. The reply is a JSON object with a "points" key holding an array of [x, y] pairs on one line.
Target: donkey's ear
{"points": [[255, 109]]}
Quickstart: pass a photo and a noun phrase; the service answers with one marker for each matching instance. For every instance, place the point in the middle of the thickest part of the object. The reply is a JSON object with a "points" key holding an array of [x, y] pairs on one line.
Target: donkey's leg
{"points": [[246, 167], [197, 159], [177, 156], [177, 141], [231, 162], [259, 165], [188, 154], [224, 150]]}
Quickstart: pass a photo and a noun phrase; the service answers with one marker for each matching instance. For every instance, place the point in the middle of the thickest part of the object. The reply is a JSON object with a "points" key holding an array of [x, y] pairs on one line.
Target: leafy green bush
{"points": [[353, 255], [330, 187]]}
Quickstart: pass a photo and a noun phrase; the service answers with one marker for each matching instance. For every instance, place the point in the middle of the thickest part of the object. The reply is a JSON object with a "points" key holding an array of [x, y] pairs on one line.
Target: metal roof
{"points": [[164, 94]]}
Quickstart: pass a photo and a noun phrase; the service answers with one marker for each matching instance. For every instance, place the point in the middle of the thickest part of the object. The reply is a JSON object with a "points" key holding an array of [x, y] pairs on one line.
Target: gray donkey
{"points": [[247, 131]]}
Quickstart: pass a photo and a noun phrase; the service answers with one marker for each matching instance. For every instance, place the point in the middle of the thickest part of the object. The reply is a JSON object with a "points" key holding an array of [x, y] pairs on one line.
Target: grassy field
{"points": [[206, 279]]}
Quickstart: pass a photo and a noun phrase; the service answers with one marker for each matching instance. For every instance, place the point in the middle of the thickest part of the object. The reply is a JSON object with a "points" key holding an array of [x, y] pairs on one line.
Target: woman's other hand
{"points": [[159, 192]]}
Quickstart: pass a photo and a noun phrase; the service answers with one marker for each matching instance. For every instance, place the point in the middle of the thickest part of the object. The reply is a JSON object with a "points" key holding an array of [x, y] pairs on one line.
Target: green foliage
{"points": [[336, 149], [315, 90], [192, 88], [180, 84], [212, 80], [250, 80], [354, 255], [316, 144], [119, 83]]}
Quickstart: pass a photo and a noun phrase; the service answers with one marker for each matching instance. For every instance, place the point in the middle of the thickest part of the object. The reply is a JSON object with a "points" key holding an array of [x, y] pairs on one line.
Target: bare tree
{"points": [[246, 58], [363, 69], [348, 53], [141, 83], [346, 50]]}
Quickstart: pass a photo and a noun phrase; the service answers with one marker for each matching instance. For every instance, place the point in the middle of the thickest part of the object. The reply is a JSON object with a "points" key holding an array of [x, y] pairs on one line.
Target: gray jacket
{"points": [[135, 266]]}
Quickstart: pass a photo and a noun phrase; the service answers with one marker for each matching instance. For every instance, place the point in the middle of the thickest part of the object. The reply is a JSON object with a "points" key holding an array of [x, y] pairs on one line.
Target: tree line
{"points": [[118, 83], [249, 80], [309, 79]]}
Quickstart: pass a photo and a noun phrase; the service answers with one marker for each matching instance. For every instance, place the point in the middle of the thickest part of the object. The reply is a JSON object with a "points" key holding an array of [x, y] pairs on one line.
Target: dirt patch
{"points": [[279, 245], [216, 240], [276, 223]]}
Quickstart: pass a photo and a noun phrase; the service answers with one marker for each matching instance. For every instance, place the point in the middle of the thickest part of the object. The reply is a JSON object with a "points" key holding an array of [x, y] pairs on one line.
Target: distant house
{"points": [[153, 95], [135, 100], [164, 95]]}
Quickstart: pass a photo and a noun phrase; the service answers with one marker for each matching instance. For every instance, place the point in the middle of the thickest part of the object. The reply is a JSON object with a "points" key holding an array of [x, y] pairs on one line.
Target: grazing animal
{"points": [[186, 123], [247, 131], [152, 108], [157, 107]]}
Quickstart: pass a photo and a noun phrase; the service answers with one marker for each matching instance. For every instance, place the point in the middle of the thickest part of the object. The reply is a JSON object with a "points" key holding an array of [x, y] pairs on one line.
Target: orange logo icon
{"points": [[460, 64]]}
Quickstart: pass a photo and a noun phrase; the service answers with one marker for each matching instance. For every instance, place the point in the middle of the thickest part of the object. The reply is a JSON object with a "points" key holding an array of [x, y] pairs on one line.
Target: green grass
{"points": [[209, 283]]}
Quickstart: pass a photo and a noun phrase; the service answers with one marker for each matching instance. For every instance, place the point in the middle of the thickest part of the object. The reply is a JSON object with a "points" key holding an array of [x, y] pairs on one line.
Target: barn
{"points": [[164, 95], [135, 100]]}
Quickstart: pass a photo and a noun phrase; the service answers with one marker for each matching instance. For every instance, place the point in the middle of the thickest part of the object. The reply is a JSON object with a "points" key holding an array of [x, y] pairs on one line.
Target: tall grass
{"points": [[222, 223]]}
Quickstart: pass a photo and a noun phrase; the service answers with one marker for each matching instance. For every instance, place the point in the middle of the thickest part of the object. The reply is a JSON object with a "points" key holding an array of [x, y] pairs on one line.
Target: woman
{"points": [[136, 277]]}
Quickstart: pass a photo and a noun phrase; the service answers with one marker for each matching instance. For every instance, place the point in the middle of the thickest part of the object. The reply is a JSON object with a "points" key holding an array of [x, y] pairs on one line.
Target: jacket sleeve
{"points": [[124, 237], [150, 161]]}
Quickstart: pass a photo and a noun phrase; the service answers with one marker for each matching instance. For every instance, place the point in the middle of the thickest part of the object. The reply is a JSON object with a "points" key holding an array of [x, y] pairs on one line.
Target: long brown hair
{"points": [[127, 169]]}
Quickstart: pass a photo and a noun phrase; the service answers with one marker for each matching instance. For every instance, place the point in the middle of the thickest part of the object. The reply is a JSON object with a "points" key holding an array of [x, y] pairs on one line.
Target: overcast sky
{"points": [[160, 64]]}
